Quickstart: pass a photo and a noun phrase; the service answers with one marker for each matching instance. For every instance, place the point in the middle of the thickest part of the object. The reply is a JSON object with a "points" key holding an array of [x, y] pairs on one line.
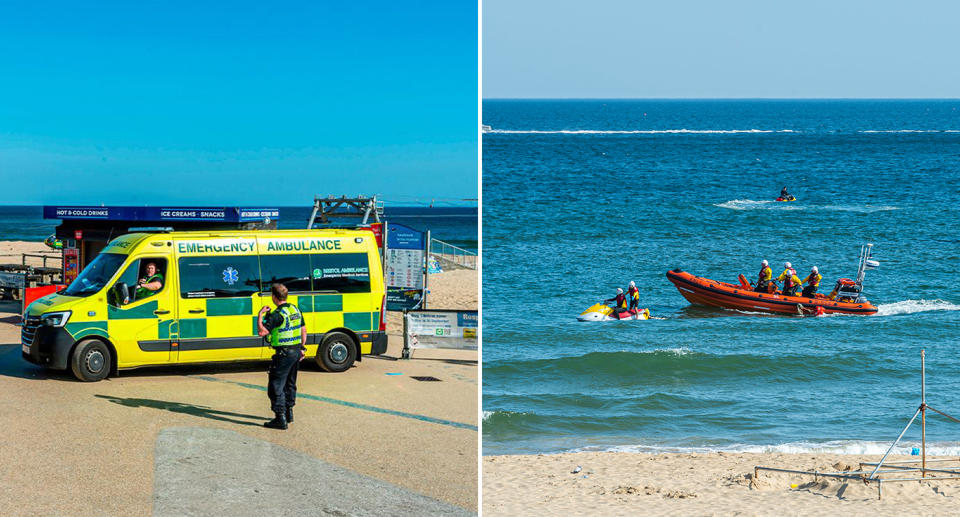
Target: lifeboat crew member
{"points": [[784, 194], [763, 281], [621, 303], [634, 295], [791, 282], [812, 281]]}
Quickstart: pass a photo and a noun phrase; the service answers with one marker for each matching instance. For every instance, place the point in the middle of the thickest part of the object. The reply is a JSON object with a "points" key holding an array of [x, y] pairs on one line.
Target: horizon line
{"points": [[724, 98]]}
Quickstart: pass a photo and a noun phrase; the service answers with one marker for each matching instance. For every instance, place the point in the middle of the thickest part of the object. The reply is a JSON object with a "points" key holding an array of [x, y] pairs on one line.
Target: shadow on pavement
{"points": [[463, 362], [189, 409], [12, 364]]}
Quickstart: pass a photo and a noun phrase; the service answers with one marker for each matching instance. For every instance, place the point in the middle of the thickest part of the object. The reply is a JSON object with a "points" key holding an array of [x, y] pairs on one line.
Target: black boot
{"points": [[289, 415], [278, 422]]}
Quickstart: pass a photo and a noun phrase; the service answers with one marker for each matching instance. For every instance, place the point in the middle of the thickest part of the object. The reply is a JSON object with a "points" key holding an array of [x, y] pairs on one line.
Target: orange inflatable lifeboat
{"points": [[704, 291]]}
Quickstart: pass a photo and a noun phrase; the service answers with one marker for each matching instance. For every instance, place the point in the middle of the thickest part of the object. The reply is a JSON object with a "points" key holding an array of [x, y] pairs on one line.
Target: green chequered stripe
{"points": [[229, 306], [87, 328], [320, 303], [144, 311], [193, 328], [163, 328], [358, 320]]}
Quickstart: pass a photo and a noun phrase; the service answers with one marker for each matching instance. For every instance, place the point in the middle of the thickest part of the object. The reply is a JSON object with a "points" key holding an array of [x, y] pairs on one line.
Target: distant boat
{"points": [[485, 128]]}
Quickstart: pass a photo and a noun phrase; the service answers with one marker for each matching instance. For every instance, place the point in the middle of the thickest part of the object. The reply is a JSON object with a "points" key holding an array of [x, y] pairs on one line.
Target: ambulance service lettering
{"points": [[304, 245], [215, 247]]}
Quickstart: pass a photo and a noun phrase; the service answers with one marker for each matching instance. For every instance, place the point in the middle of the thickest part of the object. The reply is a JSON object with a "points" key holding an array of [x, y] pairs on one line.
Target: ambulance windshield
{"points": [[96, 275]]}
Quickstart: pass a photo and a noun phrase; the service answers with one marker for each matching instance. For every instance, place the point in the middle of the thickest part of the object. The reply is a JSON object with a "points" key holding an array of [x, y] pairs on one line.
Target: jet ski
{"points": [[788, 198], [604, 312]]}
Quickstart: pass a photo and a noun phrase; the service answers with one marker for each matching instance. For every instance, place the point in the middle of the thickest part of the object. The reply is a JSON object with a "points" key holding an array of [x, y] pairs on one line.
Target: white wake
{"points": [[914, 306]]}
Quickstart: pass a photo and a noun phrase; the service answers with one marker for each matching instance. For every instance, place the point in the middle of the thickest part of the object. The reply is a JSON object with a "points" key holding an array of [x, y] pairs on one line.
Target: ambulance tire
{"points": [[91, 360], [337, 352]]}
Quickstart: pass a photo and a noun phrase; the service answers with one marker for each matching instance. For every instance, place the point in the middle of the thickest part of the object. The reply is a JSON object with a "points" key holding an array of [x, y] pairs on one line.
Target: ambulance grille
{"points": [[29, 331]]}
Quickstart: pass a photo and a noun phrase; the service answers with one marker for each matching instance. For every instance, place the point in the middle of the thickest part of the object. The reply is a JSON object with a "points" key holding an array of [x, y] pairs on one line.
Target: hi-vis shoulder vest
{"points": [[288, 333]]}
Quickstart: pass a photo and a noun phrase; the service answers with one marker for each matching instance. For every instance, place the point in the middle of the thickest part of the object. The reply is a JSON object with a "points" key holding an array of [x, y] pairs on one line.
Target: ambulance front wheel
{"points": [[337, 352], [91, 361]]}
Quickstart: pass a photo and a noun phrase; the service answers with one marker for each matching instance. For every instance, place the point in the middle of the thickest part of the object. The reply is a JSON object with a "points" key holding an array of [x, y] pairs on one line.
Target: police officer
{"points": [[288, 335]]}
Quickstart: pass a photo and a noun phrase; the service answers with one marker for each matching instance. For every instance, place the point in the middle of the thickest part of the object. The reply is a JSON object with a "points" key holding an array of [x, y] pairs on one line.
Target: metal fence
{"points": [[449, 255]]}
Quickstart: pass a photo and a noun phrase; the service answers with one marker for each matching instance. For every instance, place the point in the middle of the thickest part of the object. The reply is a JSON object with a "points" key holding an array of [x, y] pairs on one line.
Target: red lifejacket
{"points": [[788, 282], [761, 276], [621, 300]]}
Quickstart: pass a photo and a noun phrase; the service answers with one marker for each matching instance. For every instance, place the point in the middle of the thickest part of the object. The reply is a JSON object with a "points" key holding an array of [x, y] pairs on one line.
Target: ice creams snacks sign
{"points": [[439, 329]]}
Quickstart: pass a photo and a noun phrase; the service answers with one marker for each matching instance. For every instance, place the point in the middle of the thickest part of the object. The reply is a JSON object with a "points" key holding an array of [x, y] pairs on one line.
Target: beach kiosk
{"points": [[86, 230]]}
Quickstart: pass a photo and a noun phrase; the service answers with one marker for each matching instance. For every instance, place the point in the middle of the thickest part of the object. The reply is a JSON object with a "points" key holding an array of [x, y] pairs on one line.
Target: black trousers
{"points": [[809, 291], [282, 383]]}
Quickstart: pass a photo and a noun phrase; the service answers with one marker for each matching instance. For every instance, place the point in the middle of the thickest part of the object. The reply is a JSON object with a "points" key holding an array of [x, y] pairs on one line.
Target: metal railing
{"points": [[450, 255]]}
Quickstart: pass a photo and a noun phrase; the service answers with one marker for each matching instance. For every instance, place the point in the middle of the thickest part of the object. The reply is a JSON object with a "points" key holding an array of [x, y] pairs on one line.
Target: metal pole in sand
{"points": [[923, 413], [894, 444]]}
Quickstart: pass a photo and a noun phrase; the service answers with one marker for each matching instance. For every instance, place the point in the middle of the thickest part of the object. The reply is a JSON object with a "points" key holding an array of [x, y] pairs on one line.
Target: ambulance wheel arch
{"points": [[93, 359], [338, 350]]}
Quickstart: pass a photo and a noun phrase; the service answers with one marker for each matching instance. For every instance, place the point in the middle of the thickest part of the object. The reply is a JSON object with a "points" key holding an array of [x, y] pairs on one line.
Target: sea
{"points": [[583, 196], [456, 225]]}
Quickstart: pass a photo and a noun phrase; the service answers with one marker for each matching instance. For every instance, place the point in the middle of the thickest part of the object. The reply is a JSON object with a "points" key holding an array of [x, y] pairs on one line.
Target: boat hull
{"points": [[704, 291]]}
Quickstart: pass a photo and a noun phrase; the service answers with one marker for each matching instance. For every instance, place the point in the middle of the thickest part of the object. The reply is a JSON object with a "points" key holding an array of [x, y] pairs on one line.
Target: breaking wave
{"points": [[859, 447]]}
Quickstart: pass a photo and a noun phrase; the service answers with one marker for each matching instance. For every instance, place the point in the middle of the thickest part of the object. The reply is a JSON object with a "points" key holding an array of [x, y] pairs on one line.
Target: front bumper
{"points": [[45, 346]]}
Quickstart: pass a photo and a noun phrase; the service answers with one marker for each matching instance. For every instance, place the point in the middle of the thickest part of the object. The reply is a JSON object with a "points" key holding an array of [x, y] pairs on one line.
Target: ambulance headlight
{"points": [[55, 319]]}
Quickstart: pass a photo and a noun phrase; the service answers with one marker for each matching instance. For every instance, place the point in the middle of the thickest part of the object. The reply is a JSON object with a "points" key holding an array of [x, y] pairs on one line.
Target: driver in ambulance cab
{"points": [[150, 283]]}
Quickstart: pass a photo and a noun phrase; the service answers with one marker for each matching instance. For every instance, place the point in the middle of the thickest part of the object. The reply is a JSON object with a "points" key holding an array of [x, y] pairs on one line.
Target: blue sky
{"points": [[237, 103], [708, 49]]}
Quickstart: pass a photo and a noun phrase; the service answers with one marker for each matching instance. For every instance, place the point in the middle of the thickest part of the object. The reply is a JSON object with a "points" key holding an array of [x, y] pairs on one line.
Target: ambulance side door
{"points": [[140, 322], [219, 295]]}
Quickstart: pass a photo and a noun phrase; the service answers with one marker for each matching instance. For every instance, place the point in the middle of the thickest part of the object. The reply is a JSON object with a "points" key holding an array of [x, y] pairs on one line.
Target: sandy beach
{"points": [[111, 447], [618, 483]]}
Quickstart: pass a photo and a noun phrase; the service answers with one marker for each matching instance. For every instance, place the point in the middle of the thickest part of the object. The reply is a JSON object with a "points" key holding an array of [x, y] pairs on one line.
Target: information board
{"points": [[405, 268], [439, 329], [400, 299], [406, 255]]}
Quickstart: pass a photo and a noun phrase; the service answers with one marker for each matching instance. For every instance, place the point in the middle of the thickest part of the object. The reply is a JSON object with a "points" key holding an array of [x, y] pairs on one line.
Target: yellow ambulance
{"points": [[193, 297]]}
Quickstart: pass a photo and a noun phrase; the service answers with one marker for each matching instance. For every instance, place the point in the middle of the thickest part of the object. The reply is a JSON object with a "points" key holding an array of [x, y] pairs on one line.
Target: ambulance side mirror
{"points": [[121, 293]]}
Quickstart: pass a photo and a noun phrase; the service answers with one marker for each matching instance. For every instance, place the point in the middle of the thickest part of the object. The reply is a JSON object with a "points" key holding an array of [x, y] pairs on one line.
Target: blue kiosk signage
{"points": [[155, 214]]}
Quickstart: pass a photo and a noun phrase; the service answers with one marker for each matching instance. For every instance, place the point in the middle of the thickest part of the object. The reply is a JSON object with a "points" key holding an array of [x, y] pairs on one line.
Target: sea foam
{"points": [[858, 447], [914, 306]]}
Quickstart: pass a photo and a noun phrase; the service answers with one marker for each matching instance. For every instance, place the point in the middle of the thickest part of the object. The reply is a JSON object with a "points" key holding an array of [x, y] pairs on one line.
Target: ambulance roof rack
{"points": [[360, 206]]}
